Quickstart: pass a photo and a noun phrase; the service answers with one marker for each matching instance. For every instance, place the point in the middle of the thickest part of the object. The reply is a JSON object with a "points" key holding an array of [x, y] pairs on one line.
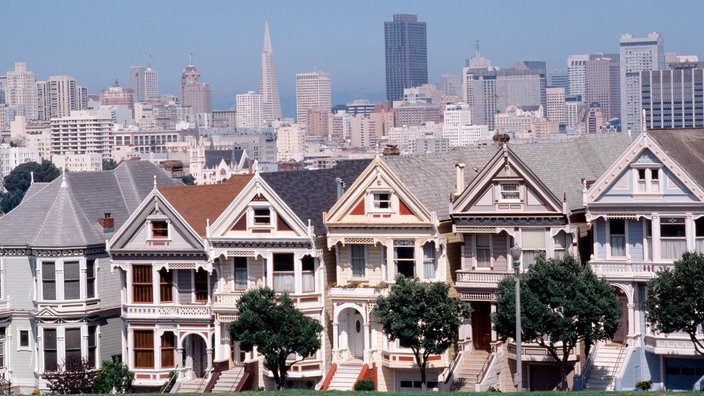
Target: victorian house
{"points": [[59, 299], [646, 210], [527, 195]]}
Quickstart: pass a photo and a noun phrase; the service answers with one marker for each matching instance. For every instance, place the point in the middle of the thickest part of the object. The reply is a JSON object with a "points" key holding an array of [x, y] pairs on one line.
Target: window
{"points": [[510, 192], [24, 338], [404, 257], [381, 201], [308, 274], [50, 351], [533, 240], [92, 346], [672, 238], [201, 285], [142, 284], [73, 344], [240, 272], [283, 272], [48, 280], [168, 350], [166, 285], [617, 238], [90, 278], [562, 242], [262, 217], [3, 337], [72, 280], [430, 262], [699, 232], [357, 259], [160, 229], [483, 250], [143, 349], [647, 180]]}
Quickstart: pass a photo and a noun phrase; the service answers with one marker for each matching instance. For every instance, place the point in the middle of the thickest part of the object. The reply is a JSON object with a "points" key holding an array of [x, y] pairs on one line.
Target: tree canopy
{"points": [[17, 182], [277, 329], [422, 316], [562, 303], [676, 298]]}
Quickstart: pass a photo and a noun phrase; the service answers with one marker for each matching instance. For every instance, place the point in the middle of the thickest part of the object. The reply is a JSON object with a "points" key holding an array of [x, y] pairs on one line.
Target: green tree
{"points": [[676, 298], [562, 303], [17, 182], [109, 164], [277, 329], [113, 377], [188, 180], [422, 316]]}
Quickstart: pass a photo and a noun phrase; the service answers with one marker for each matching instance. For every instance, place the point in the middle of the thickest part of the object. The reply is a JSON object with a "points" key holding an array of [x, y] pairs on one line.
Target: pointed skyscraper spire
{"points": [[268, 87]]}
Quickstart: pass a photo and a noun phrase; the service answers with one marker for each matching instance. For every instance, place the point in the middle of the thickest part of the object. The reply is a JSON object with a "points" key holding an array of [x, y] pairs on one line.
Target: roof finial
{"points": [[154, 181], [63, 179], [31, 177]]}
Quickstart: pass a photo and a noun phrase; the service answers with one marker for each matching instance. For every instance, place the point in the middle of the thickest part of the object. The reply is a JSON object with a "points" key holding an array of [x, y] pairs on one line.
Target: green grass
{"points": [[297, 392]]}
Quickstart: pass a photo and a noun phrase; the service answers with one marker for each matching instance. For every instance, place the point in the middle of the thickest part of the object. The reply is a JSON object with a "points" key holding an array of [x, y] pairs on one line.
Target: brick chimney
{"points": [[107, 222]]}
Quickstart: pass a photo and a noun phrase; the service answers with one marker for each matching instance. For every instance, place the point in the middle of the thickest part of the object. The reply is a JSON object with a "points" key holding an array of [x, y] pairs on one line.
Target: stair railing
{"points": [[589, 364], [485, 368]]}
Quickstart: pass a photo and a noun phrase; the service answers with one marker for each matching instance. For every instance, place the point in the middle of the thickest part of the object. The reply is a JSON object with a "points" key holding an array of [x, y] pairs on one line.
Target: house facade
{"points": [[645, 211]]}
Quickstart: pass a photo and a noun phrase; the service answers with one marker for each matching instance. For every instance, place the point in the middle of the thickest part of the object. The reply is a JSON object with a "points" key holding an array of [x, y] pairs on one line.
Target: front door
{"points": [[481, 325]]}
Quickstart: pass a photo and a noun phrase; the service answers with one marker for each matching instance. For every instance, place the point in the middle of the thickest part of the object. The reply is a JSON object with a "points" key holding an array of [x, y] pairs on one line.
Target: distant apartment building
{"points": [[673, 98], [21, 90], [312, 93], [145, 142], [417, 113], [249, 110], [11, 157], [556, 111], [362, 131], [457, 115], [451, 85], [637, 54], [406, 54], [576, 74], [193, 93], [603, 85], [117, 96], [290, 143], [63, 95], [82, 132], [144, 81]]}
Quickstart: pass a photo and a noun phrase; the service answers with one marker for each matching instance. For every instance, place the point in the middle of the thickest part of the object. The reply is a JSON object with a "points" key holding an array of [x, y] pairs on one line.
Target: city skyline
{"points": [[225, 38]]}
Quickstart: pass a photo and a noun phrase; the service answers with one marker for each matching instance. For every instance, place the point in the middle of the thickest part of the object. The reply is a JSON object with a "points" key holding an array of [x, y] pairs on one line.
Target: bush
{"points": [[364, 386], [74, 376], [114, 377], [644, 385]]}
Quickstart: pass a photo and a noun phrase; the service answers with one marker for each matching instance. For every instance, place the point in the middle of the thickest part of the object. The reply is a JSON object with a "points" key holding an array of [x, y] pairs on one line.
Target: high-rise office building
{"points": [[64, 96], [576, 74], [602, 77], [193, 93], [268, 86], [637, 54], [249, 110], [82, 132], [556, 110], [406, 55], [312, 93], [673, 98], [21, 90], [144, 81]]}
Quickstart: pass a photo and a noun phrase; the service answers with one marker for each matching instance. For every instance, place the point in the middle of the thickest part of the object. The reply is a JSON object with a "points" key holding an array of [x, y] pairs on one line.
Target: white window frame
{"points": [[376, 201], [476, 256], [647, 184], [518, 191], [364, 265], [252, 216], [150, 229], [625, 239], [21, 347]]}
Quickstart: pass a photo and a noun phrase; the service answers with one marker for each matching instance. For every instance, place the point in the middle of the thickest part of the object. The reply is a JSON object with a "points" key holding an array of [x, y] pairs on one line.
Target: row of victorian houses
{"points": [[129, 264]]}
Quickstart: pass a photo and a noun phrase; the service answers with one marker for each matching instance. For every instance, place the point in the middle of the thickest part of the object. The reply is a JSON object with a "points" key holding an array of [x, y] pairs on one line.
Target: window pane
{"points": [[50, 361], [430, 264], [357, 258], [72, 280], [165, 285], [90, 279], [533, 238], [48, 280], [92, 346], [160, 229], [168, 349], [201, 282], [240, 272], [142, 283], [144, 348], [73, 345]]}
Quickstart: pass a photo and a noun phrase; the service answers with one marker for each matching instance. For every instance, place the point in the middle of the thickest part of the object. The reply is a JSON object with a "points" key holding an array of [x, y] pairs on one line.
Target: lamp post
{"points": [[516, 256]]}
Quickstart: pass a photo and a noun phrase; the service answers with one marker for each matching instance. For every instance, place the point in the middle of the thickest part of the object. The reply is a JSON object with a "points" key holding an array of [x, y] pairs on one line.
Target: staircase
{"points": [[466, 375], [192, 386], [346, 375], [229, 380], [608, 359]]}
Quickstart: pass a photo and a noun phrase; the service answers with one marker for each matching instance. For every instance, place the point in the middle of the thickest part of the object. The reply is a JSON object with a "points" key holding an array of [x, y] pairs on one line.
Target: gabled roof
{"points": [[213, 157], [684, 146], [309, 193], [200, 204], [65, 212]]}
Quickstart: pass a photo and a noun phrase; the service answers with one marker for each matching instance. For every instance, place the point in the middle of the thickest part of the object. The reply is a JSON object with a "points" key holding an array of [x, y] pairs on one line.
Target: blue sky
{"points": [[96, 41]]}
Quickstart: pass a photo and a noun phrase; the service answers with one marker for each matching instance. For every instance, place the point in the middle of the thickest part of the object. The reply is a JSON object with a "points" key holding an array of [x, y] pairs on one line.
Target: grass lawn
{"points": [[339, 393]]}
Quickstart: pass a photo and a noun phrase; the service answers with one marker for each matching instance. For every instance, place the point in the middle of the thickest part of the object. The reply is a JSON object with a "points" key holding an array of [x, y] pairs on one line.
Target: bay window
{"points": [[483, 250], [48, 280], [142, 284], [72, 280], [51, 362], [673, 242], [240, 273], [617, 237], [143, 349], [533, 240], [308, 274], [284, 275]]}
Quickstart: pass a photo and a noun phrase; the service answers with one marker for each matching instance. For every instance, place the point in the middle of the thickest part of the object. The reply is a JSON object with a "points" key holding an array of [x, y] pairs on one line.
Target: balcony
{"points": [[670, 344], [157, 312], [406, 359], [478, 285], [357, 292], [634, 271]]}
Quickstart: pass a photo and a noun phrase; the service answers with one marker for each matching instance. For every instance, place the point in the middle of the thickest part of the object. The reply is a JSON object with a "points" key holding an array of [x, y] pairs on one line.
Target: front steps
{"points": [[346, 375], [229, 380], [606, 365], [466, 375]]}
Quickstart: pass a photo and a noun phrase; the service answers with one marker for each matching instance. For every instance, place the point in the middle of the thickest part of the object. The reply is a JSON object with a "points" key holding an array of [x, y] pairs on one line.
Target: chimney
{"points": [[459, 167], [107, 222], [340, 187]]}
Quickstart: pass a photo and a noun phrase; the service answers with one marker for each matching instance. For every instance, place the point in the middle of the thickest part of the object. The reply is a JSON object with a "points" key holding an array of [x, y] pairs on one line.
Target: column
{"points": [[335, 341], [689, 232], [656, 237], [218, 342], [209, 353], [367, 343], [631, 324], [269, 265], [298, 273], [155, 286]]}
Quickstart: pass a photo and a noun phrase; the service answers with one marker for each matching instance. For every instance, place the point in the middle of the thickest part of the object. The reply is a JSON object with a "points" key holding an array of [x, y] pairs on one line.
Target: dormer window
{"points": [[510, 191], [261, 218], [647, 179], [160, 229], [381, 201]]}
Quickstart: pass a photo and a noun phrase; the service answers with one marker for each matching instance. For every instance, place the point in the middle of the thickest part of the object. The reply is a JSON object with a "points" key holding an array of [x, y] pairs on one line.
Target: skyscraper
{"points": [[312, 93], [193, 92], [673, 98], [406, 55], [249, 110], [575, 74], [602, 85], [144, 81], [64, 96], [268, 87], [21, 90], [637, 54]]}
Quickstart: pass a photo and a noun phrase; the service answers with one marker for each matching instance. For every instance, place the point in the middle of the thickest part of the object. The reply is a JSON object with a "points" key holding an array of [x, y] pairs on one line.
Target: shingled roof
{"points": [[65, 212], [684, 146], [309, 193], [198, 204]]}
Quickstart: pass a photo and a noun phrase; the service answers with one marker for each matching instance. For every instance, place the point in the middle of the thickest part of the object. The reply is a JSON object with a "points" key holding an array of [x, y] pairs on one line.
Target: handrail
{"points": [[169, 382], [589, 364], [621, 351], [485, 368], [453, 366]]}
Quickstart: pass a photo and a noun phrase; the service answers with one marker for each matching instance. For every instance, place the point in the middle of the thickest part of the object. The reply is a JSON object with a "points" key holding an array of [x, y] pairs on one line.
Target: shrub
{"points": [[114, 377], [74, 376], [364, 385], [644, 385]]}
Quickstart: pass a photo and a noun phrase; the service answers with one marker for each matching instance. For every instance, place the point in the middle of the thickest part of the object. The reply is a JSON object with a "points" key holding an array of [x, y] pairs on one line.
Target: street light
{"points": [[516, 256]]}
